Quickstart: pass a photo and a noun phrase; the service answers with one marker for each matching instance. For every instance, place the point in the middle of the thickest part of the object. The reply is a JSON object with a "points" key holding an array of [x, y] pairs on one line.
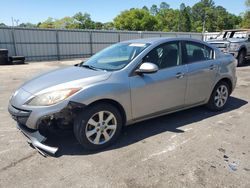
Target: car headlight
{"points": [[53, 97], [234, 46]]}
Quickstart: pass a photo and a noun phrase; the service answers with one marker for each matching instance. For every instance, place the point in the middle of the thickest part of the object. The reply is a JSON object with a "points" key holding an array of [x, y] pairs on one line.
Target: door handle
{"points": [[179, 75], [212, 67]]}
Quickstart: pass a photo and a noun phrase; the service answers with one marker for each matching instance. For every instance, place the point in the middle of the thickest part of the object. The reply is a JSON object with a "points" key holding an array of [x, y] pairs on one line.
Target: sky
{"points": [[35, 11]]}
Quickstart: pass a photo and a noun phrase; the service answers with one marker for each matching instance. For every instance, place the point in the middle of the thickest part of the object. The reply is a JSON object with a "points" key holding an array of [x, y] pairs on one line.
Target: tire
{"points": [[241, 58], [88, 126], [219, 97]]}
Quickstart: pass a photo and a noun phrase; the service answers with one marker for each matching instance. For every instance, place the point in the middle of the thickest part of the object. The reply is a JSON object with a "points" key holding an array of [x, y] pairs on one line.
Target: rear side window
{"points": [[197, 52]]}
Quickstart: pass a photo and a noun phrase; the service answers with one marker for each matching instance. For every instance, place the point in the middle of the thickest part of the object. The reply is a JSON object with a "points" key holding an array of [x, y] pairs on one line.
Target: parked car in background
{"points": [[235, 42], [125, 83]]}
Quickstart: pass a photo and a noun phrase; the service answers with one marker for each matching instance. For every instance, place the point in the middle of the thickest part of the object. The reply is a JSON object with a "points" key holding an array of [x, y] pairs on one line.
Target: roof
{"points": [[147, 40], [156, 40], [238, 30]]}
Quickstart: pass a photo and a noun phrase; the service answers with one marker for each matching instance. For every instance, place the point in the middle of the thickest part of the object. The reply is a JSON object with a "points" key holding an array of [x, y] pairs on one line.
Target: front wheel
{"points": [[98, 126], [241, 58], [219, 97]]}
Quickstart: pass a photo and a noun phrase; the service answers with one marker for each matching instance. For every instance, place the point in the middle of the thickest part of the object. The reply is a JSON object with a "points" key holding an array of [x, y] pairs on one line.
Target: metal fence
{"points": [[52, 44]]}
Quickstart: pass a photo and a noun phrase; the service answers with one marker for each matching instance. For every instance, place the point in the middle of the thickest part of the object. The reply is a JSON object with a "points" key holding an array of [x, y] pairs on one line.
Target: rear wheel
{"points": [[219, 97], [98, 126], [241, 58]]}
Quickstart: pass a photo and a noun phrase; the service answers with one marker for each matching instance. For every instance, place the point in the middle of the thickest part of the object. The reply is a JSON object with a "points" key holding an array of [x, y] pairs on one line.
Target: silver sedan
{"points": [[125, 83]]}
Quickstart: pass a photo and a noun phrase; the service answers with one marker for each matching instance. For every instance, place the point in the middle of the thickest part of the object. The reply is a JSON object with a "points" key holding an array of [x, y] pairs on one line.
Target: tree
{"points": [[145, 8], [98, 25], [202, 16], [248, 3], [49, 23], [109, 26], [135, 19], [184, 18], [246, 20], [164, 6], [65, 23], [154, 10], [2, 25], [27, 25], [246, 17], [168, 20], [83, 21]]}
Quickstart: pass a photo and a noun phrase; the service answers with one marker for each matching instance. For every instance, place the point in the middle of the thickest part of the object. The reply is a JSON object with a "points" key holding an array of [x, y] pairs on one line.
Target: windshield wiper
{"points": [[90, 67]]}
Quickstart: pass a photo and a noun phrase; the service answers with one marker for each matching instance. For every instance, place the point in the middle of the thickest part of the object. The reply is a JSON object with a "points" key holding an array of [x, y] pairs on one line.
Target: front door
{"points": [[163, 90]]}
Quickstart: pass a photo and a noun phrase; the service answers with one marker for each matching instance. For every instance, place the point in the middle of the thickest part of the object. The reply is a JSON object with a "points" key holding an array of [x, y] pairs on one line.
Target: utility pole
{"points": [[12, 20], [204, 24], [16, 22]]}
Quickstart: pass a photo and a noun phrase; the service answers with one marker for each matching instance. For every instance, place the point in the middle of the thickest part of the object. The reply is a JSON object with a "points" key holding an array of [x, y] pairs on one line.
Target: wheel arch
{"points": [[228, 81], [243, 48], [114, 103]]}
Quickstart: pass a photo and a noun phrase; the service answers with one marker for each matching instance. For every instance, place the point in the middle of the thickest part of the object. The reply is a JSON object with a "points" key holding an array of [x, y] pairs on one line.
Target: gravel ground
{"points": [[193, 148]]}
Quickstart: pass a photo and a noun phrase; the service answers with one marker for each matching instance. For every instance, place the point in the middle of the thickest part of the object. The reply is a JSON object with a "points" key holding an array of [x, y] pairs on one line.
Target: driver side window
{"points": [[165, 55]]}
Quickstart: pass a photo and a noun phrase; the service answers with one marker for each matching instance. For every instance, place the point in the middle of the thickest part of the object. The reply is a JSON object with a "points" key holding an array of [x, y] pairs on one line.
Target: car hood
{"points": [[65, 77]]}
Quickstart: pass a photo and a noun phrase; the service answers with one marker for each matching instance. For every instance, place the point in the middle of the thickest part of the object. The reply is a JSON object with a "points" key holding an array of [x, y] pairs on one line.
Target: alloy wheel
{"points": [[101, 127], [221, 96]]}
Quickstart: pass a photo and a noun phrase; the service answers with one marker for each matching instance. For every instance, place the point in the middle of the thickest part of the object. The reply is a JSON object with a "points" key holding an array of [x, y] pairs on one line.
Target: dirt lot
{"points": [[193, 148]]}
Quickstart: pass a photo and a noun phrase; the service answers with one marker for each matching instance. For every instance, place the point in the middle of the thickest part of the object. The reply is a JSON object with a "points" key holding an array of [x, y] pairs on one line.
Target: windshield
{"points": [[115, 57]]}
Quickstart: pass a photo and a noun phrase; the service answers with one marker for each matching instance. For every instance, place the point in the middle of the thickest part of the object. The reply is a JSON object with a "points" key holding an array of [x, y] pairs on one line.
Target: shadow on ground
{"points": [[139, 131], [246, 64]]}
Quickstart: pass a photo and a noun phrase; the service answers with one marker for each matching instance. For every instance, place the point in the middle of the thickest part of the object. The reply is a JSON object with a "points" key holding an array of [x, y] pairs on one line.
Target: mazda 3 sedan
{"points": [[125, 83]]}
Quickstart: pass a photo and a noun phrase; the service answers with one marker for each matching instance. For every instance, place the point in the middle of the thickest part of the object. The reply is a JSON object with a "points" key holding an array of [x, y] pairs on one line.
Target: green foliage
{"points": [[83, 21], [27, 25], [202, 16], [168, 20], [184, 18], [49, 23], [108, 26], [2, 25], [135, 19], [154, 10], [246, 16], [145, 8], [246, 20], [248, 3], [164, 6], [207, 16]]}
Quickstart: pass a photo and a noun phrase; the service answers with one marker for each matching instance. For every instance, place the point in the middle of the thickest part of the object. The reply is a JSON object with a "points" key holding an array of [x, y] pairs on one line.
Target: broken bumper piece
{"points": [[36, 140]]}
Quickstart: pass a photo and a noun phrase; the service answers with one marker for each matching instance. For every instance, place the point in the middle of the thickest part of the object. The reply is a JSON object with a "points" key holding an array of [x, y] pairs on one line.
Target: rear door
{"points": [[202, 69]]}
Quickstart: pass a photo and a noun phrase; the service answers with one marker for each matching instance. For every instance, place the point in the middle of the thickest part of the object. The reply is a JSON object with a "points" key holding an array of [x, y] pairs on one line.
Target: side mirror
{"points": [[248, 38], [147, 68]]}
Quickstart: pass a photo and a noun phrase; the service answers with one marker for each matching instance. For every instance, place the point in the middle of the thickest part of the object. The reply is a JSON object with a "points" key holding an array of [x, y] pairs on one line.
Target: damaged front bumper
{"points": [[62, 119], [36, 140], [34, 137]]}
